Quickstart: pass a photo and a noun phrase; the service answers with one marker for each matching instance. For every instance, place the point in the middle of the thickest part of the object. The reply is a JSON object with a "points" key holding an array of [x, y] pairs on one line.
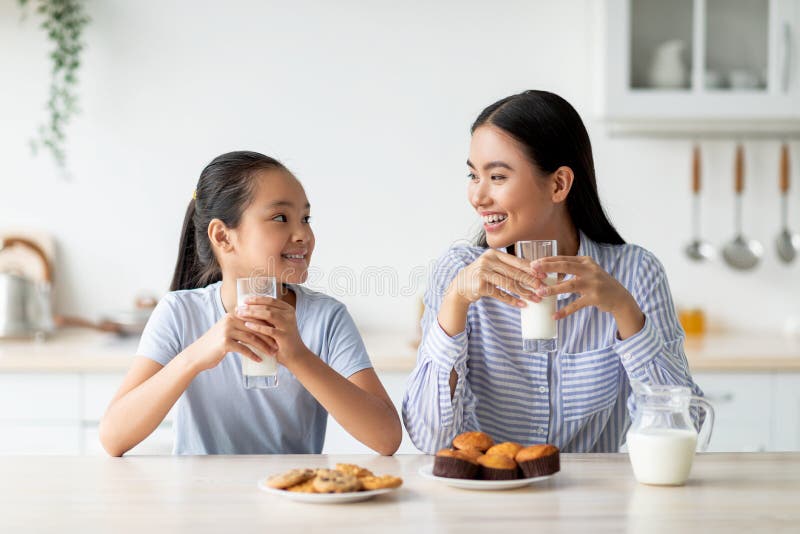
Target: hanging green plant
{"points": [[63, 21]]}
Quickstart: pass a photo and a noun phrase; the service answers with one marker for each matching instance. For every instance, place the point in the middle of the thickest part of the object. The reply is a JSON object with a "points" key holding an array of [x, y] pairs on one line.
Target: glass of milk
{"points": [[539, 329], [264, 374], [662, 439]]}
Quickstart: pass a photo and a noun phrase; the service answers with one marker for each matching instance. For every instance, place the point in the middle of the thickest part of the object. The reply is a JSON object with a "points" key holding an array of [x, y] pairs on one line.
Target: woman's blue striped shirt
{"points": [[576, 398]]}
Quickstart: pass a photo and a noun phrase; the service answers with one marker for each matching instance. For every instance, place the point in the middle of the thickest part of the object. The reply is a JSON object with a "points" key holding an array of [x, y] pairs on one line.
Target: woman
{"points": [[531, 176]]}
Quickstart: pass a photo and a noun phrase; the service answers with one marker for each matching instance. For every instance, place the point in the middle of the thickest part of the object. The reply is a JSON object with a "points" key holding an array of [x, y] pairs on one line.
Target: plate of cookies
{"points": [[346, 483], [475, 462]]}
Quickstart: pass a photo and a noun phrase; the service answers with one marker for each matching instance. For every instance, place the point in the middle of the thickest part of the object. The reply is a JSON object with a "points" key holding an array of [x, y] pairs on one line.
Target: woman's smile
{"points": [[493, 220]]}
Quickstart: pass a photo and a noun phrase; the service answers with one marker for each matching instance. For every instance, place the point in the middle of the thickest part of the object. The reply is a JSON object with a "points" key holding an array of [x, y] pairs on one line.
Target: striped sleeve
{"points": [[431, 417], [655, 355]]}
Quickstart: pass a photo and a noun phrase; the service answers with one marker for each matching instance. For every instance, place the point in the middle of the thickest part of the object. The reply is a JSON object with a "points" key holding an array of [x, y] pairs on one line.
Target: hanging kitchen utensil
{"points": [[741, 253], [787, 243], [697, 250]]}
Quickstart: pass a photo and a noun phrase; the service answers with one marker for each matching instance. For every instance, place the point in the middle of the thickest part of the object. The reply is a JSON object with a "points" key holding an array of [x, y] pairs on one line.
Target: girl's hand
{"points": [[228, 335], [275, 320], [494, 270], [596, 287]]}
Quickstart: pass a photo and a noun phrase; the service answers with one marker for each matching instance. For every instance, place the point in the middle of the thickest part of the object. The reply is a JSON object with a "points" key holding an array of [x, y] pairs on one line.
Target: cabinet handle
{"points": [[787, 57], [720, 399]]}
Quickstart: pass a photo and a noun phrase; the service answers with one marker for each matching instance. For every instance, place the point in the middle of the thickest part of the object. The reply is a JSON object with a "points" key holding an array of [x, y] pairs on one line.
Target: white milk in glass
{"points": [[537, 317], [263, 374], [662, 456], [539, 329]]}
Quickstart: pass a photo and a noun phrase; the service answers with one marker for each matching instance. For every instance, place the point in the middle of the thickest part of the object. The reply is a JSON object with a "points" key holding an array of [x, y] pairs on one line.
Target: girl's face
{"points": [[512, 198], [274, 235]]}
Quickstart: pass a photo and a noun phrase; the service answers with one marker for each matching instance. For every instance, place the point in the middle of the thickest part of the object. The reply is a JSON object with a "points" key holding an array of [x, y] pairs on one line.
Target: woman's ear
{"points": [[220, 236], [562, 183]]}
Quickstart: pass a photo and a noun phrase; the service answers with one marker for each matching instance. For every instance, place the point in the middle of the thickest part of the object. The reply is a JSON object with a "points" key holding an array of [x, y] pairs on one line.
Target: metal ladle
{"points": [[697, 250], [786, 243], [741, 254]]}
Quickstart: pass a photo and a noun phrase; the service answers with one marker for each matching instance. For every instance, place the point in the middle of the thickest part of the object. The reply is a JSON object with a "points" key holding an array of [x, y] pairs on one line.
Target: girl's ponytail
{"points": [[223, 192], [188, 264]]}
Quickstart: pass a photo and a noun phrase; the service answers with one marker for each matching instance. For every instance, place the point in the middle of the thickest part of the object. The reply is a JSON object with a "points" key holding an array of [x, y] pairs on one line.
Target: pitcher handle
{"points": [[709, 422]]}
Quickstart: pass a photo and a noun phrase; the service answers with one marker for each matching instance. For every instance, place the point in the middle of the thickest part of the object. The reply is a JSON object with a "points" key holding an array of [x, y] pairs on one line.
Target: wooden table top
{"points": [[741, 492]]}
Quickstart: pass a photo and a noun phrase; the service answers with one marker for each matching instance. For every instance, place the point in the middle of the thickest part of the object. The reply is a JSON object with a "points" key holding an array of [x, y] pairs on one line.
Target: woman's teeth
{"points": [[494, 218], [294, 256]]}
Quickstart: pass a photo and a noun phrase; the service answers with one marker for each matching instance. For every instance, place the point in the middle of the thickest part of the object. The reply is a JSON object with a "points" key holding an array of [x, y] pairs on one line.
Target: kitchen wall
{"points": [[369, 103]]}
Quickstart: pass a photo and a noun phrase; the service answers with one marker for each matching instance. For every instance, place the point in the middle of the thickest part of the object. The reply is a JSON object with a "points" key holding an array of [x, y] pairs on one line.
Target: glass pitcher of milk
{"points": [[662, 439]]}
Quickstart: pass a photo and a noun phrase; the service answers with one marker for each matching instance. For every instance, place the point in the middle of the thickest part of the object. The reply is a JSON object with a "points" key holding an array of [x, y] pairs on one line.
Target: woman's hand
{"points": [[275, 320], [491, 271], [228, 335], [596, 288]]}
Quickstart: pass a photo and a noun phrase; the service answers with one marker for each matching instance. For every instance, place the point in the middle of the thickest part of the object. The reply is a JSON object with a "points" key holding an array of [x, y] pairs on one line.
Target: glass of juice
{"points": [[257, 375], [539, 329]]}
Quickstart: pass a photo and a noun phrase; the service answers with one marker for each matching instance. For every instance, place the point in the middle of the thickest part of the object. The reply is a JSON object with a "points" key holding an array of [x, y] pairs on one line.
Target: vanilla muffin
{"points": [[472, 453], [538, 460], [497, 467], [473, 440], [509, 448], [454, 464]]}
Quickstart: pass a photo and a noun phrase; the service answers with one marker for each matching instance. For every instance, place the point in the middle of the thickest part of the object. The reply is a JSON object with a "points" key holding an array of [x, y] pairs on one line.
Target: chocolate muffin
{"points": [[509, 448], [497, 467], [538, 460], [473, 440], [454, 464]]}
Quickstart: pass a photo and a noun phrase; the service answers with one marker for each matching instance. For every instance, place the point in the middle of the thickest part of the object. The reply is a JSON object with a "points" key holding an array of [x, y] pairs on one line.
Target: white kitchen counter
{"points": [[75, 350], [85, 351], [592, 493]]}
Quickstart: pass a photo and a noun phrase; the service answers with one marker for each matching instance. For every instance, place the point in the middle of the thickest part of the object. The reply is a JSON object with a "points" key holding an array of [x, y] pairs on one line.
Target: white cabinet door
{"points": [[786, 414], [688, 62], [338, 441], [40, 397], [37, 438], [743, 406]]}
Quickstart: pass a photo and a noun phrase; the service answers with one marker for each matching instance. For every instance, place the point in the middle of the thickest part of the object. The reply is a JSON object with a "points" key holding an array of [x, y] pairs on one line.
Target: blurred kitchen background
{"points": [[369, 104]]}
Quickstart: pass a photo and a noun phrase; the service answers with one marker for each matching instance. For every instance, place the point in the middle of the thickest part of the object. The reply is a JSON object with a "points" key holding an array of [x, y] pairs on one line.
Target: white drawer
{"points": [[786, 419], [743, 406], [21, 438], [40, 397]]}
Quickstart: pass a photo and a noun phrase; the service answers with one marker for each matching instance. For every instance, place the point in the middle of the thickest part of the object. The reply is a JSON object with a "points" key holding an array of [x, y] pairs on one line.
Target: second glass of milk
{"points": [[264, 374], [539, 329]]}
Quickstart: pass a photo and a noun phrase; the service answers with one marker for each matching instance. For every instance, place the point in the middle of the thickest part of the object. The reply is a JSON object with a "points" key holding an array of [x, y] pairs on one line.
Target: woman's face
{"points": [[274, 235], [512, 198]]}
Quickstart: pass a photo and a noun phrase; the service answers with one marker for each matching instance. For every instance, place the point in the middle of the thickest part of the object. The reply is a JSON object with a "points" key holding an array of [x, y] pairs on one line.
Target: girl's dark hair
{"points": [[223, 192], [552, 134]]}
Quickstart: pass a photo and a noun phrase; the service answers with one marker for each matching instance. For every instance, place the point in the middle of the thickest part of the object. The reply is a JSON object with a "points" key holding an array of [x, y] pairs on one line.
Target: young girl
{"points": [[249, 215], [531, 176]]}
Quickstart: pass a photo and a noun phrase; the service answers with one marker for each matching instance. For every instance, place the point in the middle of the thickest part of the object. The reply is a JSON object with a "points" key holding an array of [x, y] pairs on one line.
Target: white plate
{"points": [[324, 498], [426, 471]]}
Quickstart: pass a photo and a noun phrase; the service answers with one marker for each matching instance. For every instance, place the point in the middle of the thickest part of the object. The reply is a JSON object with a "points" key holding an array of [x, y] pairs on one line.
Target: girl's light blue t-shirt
{"points": [[216, 415]]}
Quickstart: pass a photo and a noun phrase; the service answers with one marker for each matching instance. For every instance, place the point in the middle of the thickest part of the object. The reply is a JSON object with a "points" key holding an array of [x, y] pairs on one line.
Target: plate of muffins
{"points": [[476, 462]]}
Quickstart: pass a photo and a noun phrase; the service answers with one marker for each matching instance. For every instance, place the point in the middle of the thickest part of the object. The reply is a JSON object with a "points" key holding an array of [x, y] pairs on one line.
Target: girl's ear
{"points": [[562, 183], [219, 235]]}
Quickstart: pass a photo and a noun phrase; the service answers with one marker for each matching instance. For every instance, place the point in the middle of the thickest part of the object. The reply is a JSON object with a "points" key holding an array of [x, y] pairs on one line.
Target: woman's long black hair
{"points": [[224, 191], [552, 134]]}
